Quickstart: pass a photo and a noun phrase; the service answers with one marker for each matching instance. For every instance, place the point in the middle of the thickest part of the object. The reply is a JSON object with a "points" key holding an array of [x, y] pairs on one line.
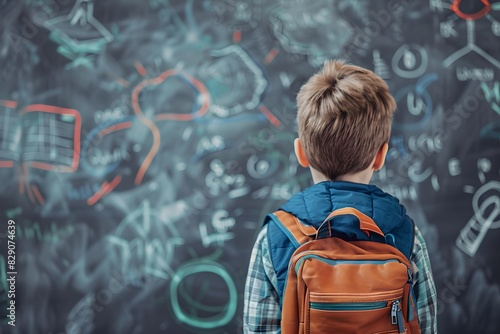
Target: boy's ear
{"points": [[379, 161], [299, 152]]}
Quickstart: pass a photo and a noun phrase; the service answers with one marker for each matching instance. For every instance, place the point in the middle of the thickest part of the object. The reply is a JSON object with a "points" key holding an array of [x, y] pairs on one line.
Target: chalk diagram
{"points": [[79, 34], [51, 142], [54, 142], [145, 243], [200, 107], [235, 81], [447, 28], [10, 133], [52, 137], [307, 28], [237, 15], [144, 246], [486, 206]]}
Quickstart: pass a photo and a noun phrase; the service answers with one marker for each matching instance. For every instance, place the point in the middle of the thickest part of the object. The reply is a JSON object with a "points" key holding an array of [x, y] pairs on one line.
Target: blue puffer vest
{"points": [[314, 204]]}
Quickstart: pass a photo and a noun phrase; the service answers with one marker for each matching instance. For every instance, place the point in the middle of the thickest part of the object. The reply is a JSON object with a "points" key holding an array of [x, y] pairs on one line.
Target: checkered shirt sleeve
{"points": [[424, 288]]}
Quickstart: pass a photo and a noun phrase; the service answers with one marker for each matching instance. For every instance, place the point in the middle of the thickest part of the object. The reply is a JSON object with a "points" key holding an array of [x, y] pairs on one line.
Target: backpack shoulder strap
{"points": [[297, 232]]}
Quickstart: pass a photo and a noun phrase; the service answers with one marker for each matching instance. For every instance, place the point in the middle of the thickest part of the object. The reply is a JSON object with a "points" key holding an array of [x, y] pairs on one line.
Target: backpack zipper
{"points": [[351, 306], [397, 316], [396, 312]]}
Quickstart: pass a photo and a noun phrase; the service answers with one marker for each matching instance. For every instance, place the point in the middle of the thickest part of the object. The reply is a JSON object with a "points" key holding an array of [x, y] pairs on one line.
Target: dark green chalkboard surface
{"points": [[143, 142]]}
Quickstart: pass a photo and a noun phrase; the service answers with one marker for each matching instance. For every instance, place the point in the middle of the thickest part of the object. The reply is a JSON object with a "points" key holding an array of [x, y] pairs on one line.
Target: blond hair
{"points": [[344, 117]]}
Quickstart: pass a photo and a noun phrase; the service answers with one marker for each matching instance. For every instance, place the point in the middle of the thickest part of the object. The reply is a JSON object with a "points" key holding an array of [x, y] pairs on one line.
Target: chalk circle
{"points": [[455, 7], [261, 167], [480, 210], [407, 55], [225, 312]]}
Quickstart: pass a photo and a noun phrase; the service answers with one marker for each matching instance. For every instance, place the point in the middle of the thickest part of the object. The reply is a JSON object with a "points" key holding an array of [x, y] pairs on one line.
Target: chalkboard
{"points": [[143, 142]]}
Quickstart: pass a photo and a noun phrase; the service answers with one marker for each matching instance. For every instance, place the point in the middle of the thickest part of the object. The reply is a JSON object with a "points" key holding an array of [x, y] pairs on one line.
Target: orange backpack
{"points": [[338, 286]]}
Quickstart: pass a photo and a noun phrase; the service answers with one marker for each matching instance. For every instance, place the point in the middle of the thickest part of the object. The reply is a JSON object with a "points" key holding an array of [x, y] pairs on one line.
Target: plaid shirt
{"points": [[262, 312]]}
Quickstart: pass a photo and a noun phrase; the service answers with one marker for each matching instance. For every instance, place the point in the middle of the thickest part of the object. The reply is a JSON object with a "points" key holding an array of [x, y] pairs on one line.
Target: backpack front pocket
{"points": [[354, 314]]}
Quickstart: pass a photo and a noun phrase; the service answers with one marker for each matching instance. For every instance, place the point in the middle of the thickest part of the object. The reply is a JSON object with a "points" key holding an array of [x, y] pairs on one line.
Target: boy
{"points": [[344, 117]]}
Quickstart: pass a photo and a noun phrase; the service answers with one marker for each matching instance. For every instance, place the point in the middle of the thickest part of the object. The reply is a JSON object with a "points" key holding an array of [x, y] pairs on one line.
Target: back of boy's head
{"points": [[344, 117]]}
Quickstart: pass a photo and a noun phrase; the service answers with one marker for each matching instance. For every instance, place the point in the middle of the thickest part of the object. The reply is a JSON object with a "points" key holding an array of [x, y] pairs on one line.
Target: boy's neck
{"points": [[363, 176]]}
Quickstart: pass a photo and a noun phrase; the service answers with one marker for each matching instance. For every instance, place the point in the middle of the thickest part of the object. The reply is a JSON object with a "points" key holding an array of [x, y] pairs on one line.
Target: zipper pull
{"points": [[397, 316], [394, 310]]}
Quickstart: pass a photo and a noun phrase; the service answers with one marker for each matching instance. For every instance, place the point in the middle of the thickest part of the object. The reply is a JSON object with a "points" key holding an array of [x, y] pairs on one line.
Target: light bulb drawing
{"points": [[486, 206]]}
